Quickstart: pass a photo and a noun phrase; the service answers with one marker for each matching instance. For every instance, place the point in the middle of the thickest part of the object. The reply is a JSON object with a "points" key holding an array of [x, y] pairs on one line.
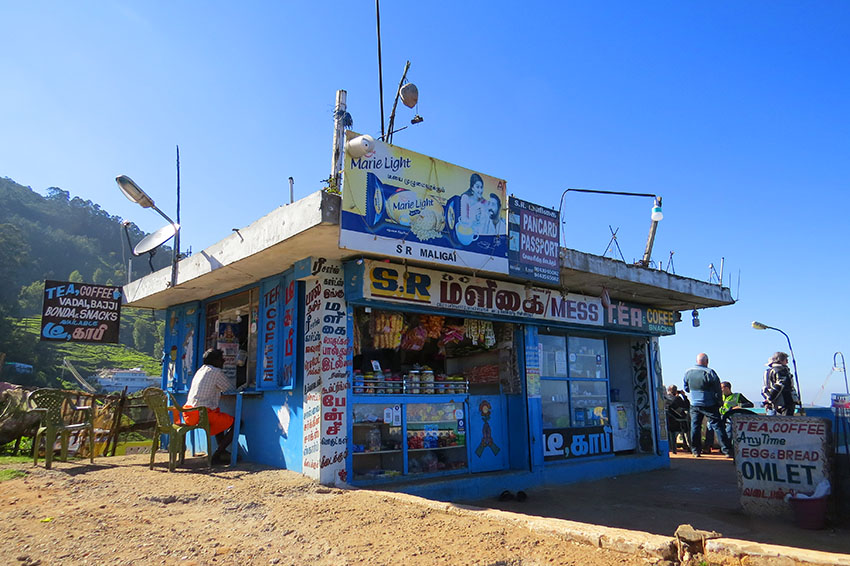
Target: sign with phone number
{"points": [[572, 443]]}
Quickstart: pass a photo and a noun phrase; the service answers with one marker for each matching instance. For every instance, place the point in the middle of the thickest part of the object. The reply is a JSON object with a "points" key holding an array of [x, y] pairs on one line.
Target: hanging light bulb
{"points": [[657, 215]]}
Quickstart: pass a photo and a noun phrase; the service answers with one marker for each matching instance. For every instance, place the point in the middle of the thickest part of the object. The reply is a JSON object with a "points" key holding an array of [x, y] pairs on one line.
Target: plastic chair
{"points": [[169, 420], [49, 404]]}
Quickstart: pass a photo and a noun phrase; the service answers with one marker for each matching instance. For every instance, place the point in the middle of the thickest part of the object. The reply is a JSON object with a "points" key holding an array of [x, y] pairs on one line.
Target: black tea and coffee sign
{"points": [[80, 312]]}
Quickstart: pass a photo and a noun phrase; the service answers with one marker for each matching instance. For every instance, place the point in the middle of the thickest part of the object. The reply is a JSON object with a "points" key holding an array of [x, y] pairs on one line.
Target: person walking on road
{"points": [[778, 391], [706, 397]]}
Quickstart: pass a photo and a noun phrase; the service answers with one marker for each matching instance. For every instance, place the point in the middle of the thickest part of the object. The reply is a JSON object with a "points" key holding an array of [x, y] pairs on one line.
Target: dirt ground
{"points": [[117, 511]]}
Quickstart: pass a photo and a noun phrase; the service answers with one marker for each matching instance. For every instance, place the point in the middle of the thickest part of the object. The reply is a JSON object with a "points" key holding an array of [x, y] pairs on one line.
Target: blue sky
{"points": [[735, 113]]}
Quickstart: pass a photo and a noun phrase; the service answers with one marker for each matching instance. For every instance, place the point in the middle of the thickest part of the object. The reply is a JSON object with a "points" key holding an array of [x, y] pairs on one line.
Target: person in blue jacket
{"points": [[706, 399]]}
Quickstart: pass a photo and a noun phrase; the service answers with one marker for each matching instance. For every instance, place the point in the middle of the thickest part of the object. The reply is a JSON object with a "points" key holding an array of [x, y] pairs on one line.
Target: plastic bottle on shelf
{"points": [[373, 442], [358, 382]]}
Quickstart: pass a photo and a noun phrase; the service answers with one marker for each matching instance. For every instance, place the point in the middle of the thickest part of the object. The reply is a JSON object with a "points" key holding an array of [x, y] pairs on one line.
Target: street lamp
{"points": [[761, 326], [842, 367], [656, 216], [134, 193]]}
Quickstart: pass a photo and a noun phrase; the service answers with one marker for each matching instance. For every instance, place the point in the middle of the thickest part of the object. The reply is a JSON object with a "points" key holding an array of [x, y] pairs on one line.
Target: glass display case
{"points": [[376, 441], [556, 403], [587, 358], [436, 437], [589, 402], [574, 381], [553, 362]]}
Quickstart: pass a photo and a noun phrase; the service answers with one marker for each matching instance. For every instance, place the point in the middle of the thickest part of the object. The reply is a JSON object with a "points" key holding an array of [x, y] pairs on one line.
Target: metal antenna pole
{"points": [[176, 255], [380, 68], [395, 103]]}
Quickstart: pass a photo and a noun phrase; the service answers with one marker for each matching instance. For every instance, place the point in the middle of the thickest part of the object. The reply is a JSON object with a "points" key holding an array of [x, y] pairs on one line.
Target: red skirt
{"points": [[219, 422]]}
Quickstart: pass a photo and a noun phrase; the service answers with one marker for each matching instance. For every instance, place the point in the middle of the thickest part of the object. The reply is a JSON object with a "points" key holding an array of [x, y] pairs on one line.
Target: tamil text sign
{"points": [[572, 443], [80, 312], [467, 294]]}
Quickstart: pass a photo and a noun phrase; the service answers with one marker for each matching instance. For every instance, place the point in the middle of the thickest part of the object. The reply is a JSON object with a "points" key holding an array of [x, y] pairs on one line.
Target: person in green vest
{"points": [[732, 401]]}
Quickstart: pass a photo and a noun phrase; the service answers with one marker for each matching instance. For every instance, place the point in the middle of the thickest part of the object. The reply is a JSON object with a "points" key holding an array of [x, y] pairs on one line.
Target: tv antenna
{"points": [[616, 245], [670, 267]]}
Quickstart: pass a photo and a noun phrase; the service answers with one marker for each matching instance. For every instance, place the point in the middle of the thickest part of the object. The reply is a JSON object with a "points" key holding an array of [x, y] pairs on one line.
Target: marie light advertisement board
{"points": [[533, 241], [80, 312], [400, 203]]}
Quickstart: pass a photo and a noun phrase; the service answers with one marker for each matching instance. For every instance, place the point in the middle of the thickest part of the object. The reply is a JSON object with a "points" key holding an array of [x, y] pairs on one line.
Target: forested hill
{"points": [[64, 238]]}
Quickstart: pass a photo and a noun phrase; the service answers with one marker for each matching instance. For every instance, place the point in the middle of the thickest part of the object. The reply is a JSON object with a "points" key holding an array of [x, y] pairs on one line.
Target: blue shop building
{"points": [[388, 334]]}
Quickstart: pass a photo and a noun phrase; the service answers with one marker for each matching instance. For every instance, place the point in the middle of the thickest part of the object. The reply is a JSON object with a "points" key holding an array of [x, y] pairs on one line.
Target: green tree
{"points": [[143, 335], [13, 251], [30, 299], [76, 277]]}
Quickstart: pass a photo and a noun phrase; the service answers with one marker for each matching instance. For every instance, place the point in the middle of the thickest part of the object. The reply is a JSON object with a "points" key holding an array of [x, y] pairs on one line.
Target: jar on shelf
{"points": [[413, 381], [428, 382], [358, 382], [369, 383]]}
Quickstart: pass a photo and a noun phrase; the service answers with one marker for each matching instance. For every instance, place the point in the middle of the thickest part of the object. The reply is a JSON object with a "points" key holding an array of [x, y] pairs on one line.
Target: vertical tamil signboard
{"points": [[533, 241], [399, 203], [80, 312]]}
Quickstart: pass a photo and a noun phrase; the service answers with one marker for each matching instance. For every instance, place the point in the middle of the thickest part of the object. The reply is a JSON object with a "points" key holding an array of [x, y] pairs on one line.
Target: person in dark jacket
{"points": [[677, 405], [778, 391], [706, 397]]}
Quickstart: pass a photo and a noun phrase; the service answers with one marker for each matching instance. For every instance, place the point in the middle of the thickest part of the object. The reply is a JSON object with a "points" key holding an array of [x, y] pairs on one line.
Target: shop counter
{"points": [[237, 417]]}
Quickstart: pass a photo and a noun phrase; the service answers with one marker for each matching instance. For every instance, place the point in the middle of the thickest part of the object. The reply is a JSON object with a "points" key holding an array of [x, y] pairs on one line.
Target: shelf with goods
{"points": [[589, 402], [430, 451], [409, 384], [421, 354], [376, 450], [593, 401], [586, 357], [436, 437]]}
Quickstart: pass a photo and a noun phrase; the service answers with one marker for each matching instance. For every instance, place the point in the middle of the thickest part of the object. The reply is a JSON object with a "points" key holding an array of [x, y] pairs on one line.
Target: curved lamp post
{"points": [[657, 215], [761, 326], [842, 367], [134, 193]]}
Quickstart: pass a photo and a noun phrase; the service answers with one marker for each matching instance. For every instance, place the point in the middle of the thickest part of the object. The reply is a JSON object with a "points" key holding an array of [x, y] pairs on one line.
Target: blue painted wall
{"points": [[272, 428]]}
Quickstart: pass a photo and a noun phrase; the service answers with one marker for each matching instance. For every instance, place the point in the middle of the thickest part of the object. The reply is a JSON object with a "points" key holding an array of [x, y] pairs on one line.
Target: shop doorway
{"points": [[231, 326]]}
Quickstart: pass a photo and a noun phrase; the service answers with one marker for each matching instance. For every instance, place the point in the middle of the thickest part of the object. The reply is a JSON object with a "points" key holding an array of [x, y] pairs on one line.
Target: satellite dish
{"points": [[153, 241]]}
